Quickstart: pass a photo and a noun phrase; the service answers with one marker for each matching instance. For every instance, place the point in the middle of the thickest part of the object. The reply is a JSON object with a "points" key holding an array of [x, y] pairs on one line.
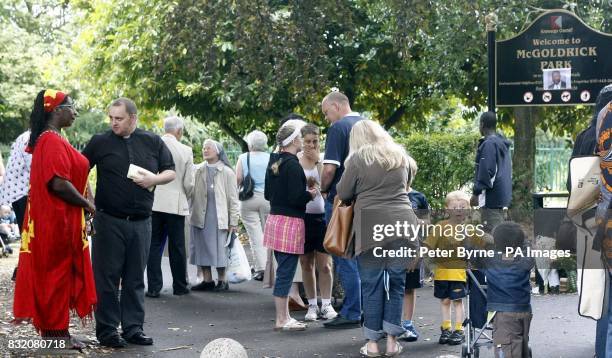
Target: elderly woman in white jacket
{"points": [[214, 213]]}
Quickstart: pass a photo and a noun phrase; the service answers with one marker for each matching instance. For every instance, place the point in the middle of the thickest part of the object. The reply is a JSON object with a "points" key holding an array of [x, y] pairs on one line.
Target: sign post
{"points": [[491, 22], [557, 61]]}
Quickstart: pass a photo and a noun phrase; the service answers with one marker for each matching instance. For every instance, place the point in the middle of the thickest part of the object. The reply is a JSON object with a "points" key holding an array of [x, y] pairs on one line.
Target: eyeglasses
{"points": [[69, 106]]}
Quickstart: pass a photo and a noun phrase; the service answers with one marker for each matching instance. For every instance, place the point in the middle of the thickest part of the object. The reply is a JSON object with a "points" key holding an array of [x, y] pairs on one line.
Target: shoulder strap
{"points": [[600, 119]]}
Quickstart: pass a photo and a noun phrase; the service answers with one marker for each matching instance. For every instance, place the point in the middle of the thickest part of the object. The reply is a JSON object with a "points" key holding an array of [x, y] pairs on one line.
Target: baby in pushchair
{"points": [[8, 229]]}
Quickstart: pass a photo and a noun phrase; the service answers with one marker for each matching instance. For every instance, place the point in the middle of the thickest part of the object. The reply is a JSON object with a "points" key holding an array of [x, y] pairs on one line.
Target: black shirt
{"points": [[116, 194], [286, 190]]}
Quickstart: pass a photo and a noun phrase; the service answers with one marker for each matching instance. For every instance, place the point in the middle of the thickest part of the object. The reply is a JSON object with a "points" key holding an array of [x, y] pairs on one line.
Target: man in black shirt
{"points": [[120, 246]]}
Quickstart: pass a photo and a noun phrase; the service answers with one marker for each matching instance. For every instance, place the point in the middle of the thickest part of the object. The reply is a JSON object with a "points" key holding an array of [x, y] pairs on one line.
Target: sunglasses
{"points": [[69, 106]]}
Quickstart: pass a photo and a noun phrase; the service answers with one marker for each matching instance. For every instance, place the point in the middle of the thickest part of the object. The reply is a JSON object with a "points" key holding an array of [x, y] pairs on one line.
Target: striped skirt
{"points": [[285, 234]]}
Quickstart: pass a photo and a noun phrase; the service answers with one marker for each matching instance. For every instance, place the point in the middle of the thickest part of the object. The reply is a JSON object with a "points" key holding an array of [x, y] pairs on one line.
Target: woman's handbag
{"points": [[339, 232], [248, 184], [585, 180]]}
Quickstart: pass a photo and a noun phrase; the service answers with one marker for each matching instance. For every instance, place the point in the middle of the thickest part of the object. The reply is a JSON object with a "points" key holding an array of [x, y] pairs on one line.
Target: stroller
{"points": [[476, 322], [5, 249]]}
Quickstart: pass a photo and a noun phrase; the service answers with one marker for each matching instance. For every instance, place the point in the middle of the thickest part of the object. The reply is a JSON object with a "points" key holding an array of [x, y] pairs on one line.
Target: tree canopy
{"points": [[414, 65]]}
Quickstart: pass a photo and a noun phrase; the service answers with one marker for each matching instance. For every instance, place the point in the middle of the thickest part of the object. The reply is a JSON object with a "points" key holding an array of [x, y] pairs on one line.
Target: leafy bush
{"points": [[85, 126], [446, 162]]}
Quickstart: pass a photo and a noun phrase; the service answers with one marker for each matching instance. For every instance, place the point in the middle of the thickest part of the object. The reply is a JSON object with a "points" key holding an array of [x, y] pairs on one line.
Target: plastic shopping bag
{"points": [[238, 269]]}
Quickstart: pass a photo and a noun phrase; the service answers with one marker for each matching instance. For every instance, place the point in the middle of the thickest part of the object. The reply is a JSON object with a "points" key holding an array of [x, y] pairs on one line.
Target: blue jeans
{"points": [[601, 333], [382, 288], [286, 265], [349, 278]]}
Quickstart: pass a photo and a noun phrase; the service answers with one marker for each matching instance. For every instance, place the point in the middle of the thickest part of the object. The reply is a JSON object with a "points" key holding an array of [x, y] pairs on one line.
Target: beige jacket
{"points": [[172, 198], [226, 197]]}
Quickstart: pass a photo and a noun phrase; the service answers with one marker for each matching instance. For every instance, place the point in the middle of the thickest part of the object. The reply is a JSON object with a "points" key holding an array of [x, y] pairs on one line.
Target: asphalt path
{"points": [[182, 326]]}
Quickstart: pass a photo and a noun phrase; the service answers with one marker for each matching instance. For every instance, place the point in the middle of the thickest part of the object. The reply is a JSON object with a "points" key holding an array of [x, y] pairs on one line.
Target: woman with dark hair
{"points": [[315, 259], [55, 275]]}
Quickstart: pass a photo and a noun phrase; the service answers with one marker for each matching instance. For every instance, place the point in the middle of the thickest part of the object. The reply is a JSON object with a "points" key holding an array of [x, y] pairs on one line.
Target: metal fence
{"points": [[551, 169]]}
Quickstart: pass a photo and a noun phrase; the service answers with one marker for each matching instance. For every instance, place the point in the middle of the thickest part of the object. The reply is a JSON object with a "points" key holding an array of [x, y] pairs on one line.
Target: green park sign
{"points": [[557, 60]]}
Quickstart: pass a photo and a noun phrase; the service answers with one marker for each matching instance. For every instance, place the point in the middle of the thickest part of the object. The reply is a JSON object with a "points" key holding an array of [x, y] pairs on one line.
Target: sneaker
{"points": [[312, 314], [444, 336], [410, 334], [327, 312], [456, 338]]}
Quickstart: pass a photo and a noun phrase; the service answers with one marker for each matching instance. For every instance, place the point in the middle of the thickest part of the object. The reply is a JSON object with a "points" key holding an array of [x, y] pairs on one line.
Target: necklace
{"points": [[53, 128]]}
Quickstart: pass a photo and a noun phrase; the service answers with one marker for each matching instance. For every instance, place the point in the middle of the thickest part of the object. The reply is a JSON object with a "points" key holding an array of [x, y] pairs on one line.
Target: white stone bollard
{"points": [[224, 348]]}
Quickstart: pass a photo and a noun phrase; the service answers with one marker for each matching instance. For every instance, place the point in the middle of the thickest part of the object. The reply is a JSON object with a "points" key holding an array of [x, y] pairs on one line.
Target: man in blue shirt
{"points": [[337, 110]]}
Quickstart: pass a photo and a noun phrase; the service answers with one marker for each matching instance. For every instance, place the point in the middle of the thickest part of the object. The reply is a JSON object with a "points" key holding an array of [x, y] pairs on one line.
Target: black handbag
{"points": [[248, 184]]}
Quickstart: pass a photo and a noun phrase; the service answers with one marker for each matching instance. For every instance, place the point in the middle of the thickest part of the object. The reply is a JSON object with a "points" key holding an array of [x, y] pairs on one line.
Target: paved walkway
{"points": [[246, 313]]}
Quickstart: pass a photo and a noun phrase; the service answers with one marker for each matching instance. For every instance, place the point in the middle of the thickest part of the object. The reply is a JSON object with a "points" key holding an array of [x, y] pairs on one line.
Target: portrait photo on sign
{"points": [[557, 78]]}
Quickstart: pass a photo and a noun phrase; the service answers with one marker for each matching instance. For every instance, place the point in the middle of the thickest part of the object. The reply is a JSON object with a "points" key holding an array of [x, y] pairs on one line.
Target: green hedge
{"points": [[446, 162]]}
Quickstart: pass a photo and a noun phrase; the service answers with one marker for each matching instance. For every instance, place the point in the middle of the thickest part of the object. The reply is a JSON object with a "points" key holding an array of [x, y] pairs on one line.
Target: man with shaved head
{"points": [[337, 110]]}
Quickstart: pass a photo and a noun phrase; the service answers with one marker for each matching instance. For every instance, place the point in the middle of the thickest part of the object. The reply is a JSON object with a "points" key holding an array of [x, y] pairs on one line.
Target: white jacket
{"points": [[172, 198]]}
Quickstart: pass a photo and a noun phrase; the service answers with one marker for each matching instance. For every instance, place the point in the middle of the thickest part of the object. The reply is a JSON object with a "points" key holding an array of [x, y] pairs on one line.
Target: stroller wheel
{"points": [[476, 352], [465, 351]]}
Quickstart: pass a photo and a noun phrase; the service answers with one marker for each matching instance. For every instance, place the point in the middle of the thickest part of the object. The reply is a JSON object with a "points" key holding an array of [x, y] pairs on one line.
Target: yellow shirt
{"points": [[447, 268]]}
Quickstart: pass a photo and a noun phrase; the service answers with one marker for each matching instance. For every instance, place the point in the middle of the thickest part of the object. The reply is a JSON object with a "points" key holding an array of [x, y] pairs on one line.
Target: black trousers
{"points": [[19, 206], [120, 250], [174, 227]]}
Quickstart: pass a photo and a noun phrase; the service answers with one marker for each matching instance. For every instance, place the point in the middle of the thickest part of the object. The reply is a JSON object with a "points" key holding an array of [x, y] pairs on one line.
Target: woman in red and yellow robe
{"points": [[55, 275]]}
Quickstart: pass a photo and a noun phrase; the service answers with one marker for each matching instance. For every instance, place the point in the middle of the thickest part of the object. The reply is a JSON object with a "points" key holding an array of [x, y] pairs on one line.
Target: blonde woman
{"points": [[284, 233], [376, 174], [214, 213]]}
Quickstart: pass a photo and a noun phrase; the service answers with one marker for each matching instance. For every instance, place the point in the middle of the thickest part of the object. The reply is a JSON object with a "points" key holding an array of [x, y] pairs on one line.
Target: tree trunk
{"points": [[234, 135], [394, 117], [523, 161]]}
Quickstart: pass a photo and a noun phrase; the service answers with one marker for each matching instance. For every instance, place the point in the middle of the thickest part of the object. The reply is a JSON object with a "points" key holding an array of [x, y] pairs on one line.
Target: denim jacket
{"points": [[508, 287]]}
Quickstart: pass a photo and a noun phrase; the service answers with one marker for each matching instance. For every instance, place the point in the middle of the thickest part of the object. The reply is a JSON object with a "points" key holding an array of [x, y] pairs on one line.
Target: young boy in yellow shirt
{"points": [[450, 274]]}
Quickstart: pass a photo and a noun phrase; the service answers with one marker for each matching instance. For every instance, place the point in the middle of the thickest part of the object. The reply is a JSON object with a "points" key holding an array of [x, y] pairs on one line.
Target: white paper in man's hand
{"points": [[135, 172]]}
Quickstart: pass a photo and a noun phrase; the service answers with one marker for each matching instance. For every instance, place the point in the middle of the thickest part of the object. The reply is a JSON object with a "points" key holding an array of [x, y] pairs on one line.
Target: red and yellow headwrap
{"points": [[53, 99]]}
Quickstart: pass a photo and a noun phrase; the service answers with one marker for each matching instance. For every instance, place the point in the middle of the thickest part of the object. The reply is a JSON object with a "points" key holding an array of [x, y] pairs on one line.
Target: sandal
{"points": [[398, 350], [365, 353], [292, 325], [76, 344]]}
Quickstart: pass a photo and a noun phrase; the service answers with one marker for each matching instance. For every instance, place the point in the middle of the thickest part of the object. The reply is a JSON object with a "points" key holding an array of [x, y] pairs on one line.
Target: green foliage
{"points": [[446, 163], [34, 38], [86, 125], [244, 64]]}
